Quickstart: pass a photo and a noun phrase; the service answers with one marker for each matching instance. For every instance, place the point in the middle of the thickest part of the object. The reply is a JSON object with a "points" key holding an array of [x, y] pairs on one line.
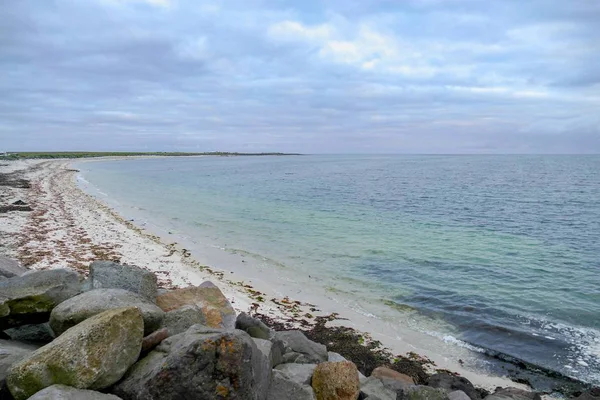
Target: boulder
{"points": [[452, 382], [180, 320], [283, 388], [592, 394], [301, 373], [30, 298], [153, 340], [112, 275], [10, 353], [458, 395], [10, 268], [79, 308], [92, 355], [387, 373], [513, 394], [335, 357], [36, 333], [373, 389], [252, 326], [273, 351], [336, 381], [207, 298], [62, 392], [300, 350], [421, 393], [200, 363]]}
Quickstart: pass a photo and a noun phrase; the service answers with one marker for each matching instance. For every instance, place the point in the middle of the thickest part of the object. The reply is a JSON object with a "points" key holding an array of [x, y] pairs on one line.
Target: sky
{"points": [[310, 76]]}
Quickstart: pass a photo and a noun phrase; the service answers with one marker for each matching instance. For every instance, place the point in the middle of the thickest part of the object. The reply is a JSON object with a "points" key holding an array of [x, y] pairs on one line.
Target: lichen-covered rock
{"points": [[301, 373], [300, 350], [79, 308], [271, 350], [10, 353], [35, 333], [452, 382], [336, 381], [92, 355], [421, 393], [207, 298], [374, 389], [180, 320], [112, 275], [283, 388], [30, 298], [10, 268], [62, 392], [513, 394], [252, 326], [201, 363]]}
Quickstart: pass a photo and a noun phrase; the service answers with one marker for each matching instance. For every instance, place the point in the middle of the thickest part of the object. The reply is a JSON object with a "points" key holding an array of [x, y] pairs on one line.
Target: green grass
{"points": [[88, 154]]}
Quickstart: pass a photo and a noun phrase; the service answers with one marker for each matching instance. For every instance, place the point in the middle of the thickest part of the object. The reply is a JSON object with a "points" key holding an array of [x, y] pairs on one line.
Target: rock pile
{"points": [[113, 336]]}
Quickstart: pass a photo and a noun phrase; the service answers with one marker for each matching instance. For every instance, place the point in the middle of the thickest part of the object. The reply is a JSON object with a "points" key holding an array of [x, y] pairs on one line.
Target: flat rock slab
{"points": [[283, 388], [112, 275], [79, 308], [62, 392], [207, 298], [513, 394], [92, 355], [10, 268], [301, 373], [30, 298]]}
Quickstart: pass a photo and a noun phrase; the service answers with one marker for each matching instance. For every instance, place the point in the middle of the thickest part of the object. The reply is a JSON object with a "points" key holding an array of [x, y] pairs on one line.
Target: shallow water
{"points": [[505, 250]]}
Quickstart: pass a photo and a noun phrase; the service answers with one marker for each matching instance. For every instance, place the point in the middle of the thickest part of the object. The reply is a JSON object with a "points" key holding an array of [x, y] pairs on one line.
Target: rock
{"points": [[19, 203], [374, 389], [283, 388], [252, 326], [458, 395], [92, 355], [88, 304], [62, 392], [37, 333], [271, 350], [513, 394], [392, 379], [181, 319], [452, 383], [336, 381], [421, 393], [301, 373], [30, 298], [201, 363], [299, 349], [334, 357], [207, 298], [112, 275], [153, 340], [10, 268], [592, 394], [10, 353]]}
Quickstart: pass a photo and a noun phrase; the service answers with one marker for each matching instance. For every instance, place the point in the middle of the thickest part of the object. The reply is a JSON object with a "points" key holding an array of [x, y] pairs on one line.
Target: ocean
{"points": [[498, 254]]}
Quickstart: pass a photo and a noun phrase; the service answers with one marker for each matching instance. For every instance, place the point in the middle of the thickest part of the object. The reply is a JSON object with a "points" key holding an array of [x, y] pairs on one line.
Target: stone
{"points": [[452, 382], [421, 393], [334, 357], [387, 373], [62, 392], [458, 395], [35, 333], [29, 299], [112, 275], [252, 326], [512, 394], [301, 373], [181, 319], [591, 394], [207, 298], [94, 354], [300, 350], [201, 363], [10, 268], [336, 381], [10, 353], [271, 350], [283, 388], [153, 340], [79, 308], [373, 389]]}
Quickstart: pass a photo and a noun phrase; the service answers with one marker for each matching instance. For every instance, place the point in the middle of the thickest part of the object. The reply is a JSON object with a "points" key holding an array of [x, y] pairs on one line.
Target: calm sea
{"points": [[505, 249]]}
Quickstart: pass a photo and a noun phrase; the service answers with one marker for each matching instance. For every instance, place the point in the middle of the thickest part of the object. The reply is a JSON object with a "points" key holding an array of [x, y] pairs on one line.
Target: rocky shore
{"points": [[116, 335]]}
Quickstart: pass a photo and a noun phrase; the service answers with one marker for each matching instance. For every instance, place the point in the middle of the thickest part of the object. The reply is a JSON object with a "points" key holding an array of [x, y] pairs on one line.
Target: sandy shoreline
{"points": [[71, 228]]}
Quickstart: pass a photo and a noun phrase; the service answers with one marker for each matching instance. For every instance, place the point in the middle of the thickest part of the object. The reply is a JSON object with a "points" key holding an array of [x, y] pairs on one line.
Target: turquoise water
{"points": [[506, 249]]}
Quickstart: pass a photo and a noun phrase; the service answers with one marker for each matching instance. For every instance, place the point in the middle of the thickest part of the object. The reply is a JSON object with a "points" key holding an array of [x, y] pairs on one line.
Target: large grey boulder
{"points": [[373, 389], [513, 394], [112, 275], [10, 268], [452, 382], [181, 319], [79, 308], [94, 354], [200, 363], [421, 393], [273, 351], [301, 373], [10, 353], [591, 394], [30, 298], [35, 333], [252, 326], [458, 395], [62, 392], [300, 350], [283, 388]]}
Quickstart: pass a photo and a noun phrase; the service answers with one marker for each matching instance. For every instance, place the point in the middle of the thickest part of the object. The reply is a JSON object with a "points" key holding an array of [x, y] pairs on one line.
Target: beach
{"points": [[69, 227]]}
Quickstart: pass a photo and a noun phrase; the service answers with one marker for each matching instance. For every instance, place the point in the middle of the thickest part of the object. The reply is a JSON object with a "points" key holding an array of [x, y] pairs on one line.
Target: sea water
{"points": [[503, 251]]}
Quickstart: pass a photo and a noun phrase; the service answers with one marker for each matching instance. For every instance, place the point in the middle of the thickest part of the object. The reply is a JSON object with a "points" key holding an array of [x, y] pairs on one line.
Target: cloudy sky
{"points": [[337, 76]]}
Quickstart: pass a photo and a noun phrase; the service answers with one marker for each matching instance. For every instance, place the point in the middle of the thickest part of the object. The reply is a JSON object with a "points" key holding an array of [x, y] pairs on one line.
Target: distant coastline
{"points": [[96, 154]]}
